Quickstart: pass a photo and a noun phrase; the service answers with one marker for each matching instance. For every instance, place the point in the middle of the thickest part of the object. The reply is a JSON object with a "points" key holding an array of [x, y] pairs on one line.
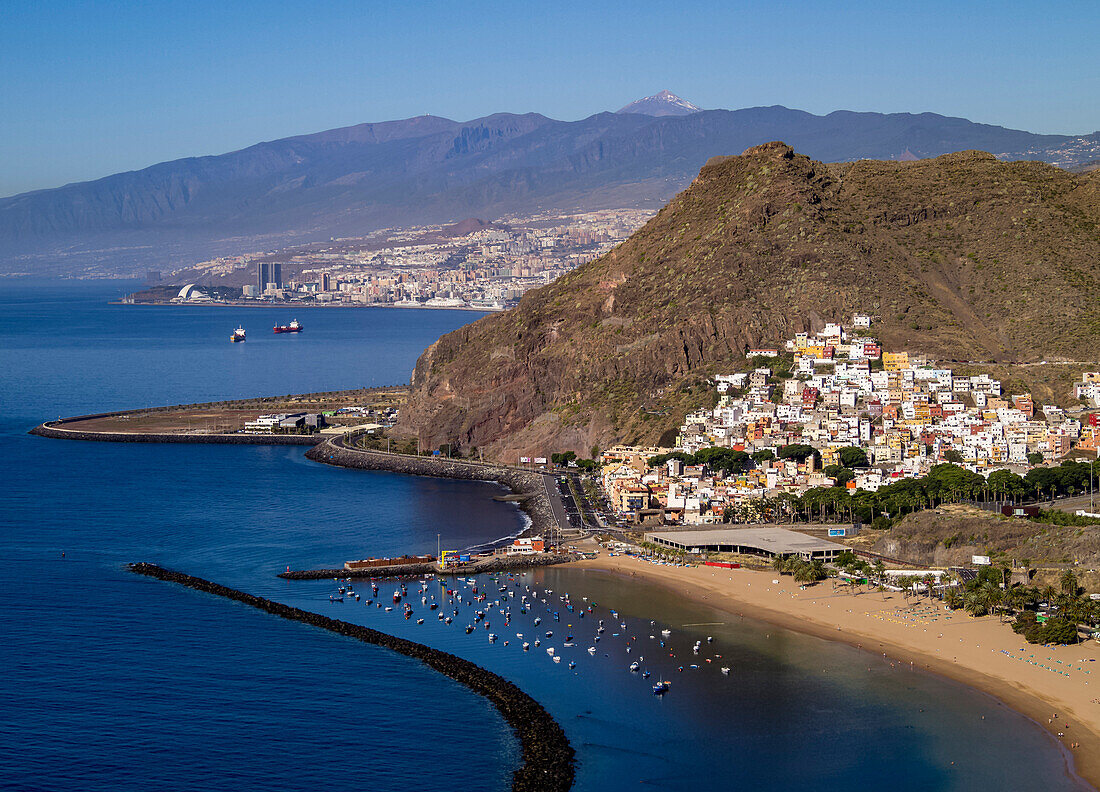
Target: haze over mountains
{"points": [[353, 180]]}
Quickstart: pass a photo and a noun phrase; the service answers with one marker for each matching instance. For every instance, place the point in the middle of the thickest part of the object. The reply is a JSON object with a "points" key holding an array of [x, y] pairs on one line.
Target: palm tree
{"points": [[803, 572], [984, 599], [953, 598], [1068, 583]]}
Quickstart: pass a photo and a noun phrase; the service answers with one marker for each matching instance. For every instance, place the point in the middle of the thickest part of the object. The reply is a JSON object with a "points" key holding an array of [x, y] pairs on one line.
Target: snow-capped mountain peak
{"points": [[665, 103]]}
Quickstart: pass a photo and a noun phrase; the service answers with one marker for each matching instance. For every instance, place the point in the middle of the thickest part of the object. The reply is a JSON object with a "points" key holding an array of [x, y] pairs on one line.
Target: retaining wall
{"points": [[521, 482]]}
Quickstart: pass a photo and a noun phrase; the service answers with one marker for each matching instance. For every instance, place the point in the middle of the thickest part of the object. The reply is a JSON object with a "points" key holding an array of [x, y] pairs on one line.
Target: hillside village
{"points": [[834, 409]]}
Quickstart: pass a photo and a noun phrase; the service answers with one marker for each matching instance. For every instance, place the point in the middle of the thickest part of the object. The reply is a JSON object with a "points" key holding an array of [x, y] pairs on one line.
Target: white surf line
{"points": [[704, 624]]}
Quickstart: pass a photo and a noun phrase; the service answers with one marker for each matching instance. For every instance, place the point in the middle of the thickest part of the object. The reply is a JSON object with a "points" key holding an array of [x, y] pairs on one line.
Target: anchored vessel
{"points": [[238, 335], [293, 327]]}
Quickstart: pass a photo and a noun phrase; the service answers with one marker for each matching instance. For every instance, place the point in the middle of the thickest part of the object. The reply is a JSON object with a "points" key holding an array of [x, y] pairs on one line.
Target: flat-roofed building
{"points": [[763, 541]]}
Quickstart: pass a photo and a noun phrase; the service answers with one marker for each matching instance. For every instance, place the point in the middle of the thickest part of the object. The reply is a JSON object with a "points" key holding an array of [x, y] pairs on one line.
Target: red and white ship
{"points": [[293, 327]]}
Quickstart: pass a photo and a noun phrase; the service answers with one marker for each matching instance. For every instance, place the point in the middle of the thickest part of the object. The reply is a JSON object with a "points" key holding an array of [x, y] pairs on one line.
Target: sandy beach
{"points": [[1051, 685]]}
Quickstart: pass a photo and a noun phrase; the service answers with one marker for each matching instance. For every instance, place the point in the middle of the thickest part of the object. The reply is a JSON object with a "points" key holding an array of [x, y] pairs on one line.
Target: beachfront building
{"points": [[767, 541], [527, 545]]}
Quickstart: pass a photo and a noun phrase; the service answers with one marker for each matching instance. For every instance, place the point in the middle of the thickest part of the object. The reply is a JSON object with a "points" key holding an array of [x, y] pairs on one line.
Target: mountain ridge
{"points": [[354, 180], [961, 257]]}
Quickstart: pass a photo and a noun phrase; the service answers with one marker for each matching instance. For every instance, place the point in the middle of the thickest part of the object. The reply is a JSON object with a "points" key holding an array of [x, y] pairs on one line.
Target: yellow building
{"points": [[895, 361]]}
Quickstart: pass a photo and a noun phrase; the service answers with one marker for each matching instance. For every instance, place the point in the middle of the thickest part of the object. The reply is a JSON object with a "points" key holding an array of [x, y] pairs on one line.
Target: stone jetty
{"points": [[548, 758], [525, 483], [486, 565]]}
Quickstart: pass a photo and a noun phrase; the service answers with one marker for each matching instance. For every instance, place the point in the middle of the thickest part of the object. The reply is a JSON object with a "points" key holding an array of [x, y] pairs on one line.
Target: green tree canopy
{"points": [[799, 452], [853, 457]]}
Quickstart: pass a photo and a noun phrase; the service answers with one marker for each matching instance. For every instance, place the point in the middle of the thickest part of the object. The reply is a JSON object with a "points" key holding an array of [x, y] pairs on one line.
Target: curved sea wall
{"points": [[535, 503], [548, 759], [49, 429]]}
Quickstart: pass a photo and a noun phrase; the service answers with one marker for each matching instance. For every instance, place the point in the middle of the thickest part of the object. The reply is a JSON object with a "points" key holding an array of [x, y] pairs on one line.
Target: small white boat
{"points": [[556, 659], [592, 650], [526, 646], [550, 651], [725, 671], [634, 666], [666, 633]]}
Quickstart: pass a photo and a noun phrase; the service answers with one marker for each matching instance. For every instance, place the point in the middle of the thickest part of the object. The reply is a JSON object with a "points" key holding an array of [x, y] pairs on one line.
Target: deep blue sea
{"points": [[113, 682]]}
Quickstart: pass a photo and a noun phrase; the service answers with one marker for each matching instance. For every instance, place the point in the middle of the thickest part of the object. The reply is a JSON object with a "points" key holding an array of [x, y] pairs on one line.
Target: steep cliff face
{"points": [[962, 257]]}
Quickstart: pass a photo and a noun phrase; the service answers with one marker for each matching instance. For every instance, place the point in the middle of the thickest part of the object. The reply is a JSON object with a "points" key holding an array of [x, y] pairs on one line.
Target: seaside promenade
{"points": [[1057, 686]]}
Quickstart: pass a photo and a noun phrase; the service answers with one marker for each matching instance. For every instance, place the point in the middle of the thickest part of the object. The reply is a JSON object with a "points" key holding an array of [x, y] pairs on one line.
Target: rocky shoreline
{"points": [[548, 758], [529, 485]]}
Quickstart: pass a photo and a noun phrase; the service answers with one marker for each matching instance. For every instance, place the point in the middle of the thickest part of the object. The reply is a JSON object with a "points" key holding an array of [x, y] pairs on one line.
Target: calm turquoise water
{"points": [[115, 682]]}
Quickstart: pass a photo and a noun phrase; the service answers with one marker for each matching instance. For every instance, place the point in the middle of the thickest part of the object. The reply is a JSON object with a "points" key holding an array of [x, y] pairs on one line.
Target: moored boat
{"points": [[293, 327], [238, 334]]}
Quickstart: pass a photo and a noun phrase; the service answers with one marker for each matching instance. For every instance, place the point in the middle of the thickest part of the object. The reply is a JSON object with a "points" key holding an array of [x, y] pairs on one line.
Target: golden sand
{"points": [[1041, 682]]}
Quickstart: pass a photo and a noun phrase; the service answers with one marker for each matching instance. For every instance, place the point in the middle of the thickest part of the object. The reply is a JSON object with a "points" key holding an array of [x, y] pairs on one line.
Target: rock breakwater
{"points": [[548, 759]]}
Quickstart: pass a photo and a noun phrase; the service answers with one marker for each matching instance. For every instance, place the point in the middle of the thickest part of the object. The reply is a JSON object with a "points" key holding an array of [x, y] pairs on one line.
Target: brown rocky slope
{"points": [[961, 257]]}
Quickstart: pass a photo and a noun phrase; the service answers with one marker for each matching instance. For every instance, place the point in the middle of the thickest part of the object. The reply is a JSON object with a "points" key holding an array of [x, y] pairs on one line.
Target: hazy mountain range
{"points": [[350, 181]]}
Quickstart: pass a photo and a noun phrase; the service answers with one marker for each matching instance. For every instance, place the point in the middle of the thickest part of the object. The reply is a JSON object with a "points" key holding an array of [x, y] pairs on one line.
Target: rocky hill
{"points": [[962, 257], [952, 534]]}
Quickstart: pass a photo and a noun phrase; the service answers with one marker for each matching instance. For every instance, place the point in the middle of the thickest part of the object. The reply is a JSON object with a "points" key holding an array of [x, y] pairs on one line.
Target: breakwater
{"points": [[51, 429], [535, 502], [548, 758], [482, 566]]}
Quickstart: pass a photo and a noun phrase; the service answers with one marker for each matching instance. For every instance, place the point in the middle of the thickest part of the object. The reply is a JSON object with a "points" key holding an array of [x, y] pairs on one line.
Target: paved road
{"points": [[556, 505]]}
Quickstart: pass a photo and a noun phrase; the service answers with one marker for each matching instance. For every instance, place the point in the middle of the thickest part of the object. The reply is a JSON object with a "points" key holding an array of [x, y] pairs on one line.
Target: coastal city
{"points": [[472, 264], [832, 409]]}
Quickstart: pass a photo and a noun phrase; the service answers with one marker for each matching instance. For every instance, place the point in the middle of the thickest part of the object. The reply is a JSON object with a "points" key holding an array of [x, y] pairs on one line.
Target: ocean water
{"points": [[110, 681]]}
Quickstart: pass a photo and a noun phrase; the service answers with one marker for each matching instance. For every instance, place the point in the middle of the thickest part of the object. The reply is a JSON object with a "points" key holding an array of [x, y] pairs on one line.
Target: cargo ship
{"points": [[293, 327], [238, 335]]}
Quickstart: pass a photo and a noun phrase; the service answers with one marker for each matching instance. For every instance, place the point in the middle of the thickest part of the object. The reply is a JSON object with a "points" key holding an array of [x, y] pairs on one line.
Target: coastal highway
{"points": [[553, 494]]}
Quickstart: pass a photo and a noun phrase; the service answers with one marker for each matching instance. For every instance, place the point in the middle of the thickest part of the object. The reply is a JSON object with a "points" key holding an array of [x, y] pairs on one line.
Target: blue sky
{"points": [[93, 88]]}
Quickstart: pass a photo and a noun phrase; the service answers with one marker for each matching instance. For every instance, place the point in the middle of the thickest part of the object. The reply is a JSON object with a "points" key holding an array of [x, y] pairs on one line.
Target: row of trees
{"points": [[944, 484], [662, 552], [569, 459]]}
